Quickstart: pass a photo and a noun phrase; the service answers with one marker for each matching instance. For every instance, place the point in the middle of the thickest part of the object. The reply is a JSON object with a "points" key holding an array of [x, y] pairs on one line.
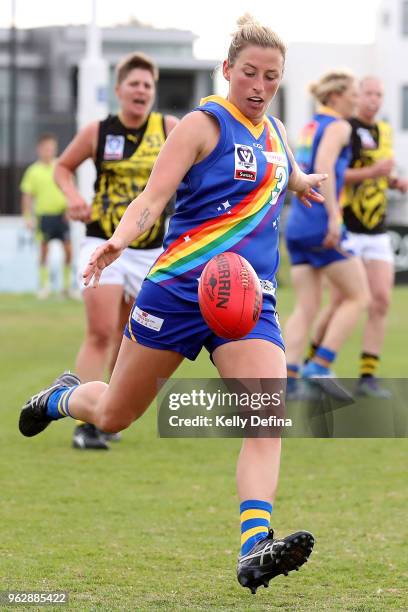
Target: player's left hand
{"points": [[102, 257], [309, 193]]}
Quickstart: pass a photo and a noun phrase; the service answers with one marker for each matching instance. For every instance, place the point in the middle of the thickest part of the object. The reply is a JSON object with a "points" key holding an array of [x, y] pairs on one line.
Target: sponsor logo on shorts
{"points": [[147, 320], [114, 147], [245, 163]]}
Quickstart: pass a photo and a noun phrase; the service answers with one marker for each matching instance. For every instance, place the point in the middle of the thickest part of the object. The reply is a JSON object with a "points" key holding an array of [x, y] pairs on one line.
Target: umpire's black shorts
{"points": [[53, 227]]}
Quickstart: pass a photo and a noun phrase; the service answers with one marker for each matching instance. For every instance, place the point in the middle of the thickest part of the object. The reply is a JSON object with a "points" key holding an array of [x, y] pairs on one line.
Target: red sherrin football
{"points": [[230, 295]]}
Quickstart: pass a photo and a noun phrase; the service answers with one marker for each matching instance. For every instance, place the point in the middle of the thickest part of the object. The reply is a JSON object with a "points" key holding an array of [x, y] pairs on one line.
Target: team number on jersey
{"points": [[281, 176]]}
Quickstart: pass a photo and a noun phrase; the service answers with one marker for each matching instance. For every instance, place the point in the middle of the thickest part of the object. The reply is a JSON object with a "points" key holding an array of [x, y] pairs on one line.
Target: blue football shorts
{"points": [[162, 320], [309, 250]]}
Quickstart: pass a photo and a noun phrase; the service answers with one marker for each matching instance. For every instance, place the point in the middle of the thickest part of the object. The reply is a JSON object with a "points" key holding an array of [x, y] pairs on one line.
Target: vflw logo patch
{"points": [[245, 163], [114, 147]]}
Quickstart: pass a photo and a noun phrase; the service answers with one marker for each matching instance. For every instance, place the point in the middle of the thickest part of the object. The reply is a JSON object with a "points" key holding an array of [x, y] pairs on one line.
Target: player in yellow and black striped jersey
{"points": [[364, 199], [370, 176], [124, 161], [124, 148], [364, 203]]}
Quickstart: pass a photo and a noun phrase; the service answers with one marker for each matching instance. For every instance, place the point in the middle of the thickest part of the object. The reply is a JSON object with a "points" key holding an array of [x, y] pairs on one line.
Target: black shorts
{"points": [[53, 227]]}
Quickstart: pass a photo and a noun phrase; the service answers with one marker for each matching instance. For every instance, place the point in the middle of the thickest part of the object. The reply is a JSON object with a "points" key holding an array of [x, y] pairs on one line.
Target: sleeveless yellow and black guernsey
{"points": [[124, 161], [365, 204]]}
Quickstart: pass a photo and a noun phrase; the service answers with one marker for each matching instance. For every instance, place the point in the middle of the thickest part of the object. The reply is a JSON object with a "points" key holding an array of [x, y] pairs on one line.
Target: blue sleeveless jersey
{"points": [[302, 221], [230, 201]]}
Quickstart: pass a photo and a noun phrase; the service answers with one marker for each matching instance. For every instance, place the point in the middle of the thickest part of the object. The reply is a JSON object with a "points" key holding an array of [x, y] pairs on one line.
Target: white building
{"points": [[46, 85]]}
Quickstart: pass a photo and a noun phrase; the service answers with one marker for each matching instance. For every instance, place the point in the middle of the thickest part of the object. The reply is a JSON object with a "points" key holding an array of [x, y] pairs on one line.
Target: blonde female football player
{"points": [[314, 240], [226, 150]]}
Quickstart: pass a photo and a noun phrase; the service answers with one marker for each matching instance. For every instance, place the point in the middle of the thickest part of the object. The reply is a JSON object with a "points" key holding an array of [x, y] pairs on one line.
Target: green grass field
{"points": [[153, 523]]}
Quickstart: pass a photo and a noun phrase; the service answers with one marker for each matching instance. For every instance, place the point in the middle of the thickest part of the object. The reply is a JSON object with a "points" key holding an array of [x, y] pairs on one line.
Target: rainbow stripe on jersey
{"points": [[305, 145], [216, 211]]}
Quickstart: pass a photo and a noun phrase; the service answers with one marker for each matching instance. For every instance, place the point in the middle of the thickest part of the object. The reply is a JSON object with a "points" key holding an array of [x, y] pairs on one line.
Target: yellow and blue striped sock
{"points": [[255, 519], [324, 357], [57, 404], [293, 370]]}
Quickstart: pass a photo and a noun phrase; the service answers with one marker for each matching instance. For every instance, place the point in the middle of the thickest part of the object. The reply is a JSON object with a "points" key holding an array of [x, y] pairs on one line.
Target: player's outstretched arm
{"points": [[102, 257], [184, 147], [305, 187]]}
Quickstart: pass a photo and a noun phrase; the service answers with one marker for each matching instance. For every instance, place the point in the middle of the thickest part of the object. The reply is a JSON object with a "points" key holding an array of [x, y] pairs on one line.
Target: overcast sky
{"points": [[212, 20]]}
